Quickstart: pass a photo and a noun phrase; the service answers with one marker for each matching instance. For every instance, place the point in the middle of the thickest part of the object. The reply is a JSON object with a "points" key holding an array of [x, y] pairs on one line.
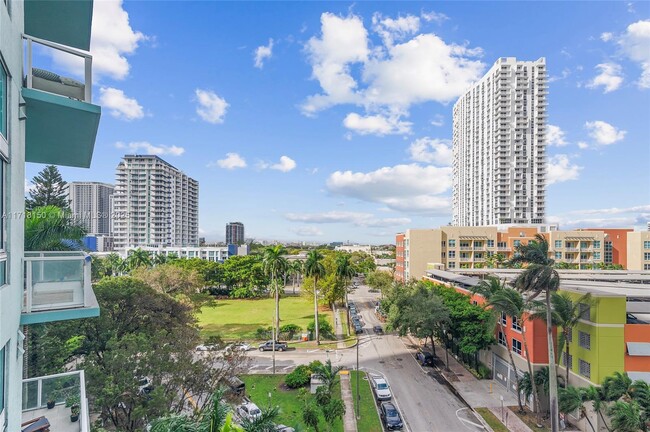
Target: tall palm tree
{"points": [[566, 314], [328, 374], [114, 264], [626, 417], [572, 399], [51, 228], [314, 268], [599, 403], [298, 268], [275, 264], [138, 258], [159, 259], [541, 277]]}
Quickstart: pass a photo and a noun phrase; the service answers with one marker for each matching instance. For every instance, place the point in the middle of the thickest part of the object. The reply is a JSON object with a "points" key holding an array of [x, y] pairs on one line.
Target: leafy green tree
{"points": [[245, 272], [333, 411], [138, 258], [344, 268], [328, 374], [310, 416], [362, 262], [315, 269], [49, 190], [275, 264], [539, 277], [169, 279], [379, 280], [51, 228]]}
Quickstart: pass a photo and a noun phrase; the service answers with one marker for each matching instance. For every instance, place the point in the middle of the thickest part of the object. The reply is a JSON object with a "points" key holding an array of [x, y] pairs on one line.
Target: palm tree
{"points": [[138, 258], [571, 399], [298, 269], [566, 314], [159, 259], [274, 264], [597, 398], [328, 375], [114, 264], [51, 228], [626, 417], [314, 268], [265, 422], [541, 277]]}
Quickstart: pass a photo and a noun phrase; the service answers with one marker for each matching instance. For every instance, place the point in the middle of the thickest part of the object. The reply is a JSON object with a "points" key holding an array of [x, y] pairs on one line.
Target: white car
{"points": [[381, 388], [239, 346], [249, 411], [206, 347]]}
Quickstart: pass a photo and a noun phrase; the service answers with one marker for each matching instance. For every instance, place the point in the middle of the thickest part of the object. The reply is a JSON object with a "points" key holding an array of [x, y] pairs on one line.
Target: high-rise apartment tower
{"points": [[235, 233], [499, 146], [154, 204], [90, 203]]}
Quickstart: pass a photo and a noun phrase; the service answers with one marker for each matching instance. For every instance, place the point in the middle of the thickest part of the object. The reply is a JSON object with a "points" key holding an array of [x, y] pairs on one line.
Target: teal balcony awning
{"points": [[67, 22]]}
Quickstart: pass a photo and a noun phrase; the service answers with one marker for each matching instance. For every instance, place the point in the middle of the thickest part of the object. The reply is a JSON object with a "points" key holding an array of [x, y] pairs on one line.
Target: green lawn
{"points": [[258, 388], [492, 420], [369, 421], [239, 319]]}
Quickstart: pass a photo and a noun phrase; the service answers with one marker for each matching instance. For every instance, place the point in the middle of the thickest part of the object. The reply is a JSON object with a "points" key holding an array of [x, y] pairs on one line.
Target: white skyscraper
{"points": [[499, 146], [90, 203], [154, 204]]}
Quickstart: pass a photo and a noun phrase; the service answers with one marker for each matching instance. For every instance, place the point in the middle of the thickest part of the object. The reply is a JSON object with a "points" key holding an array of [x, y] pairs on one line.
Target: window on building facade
{"points": [[501, 339], [516, 243], [596, 244], [646, 266], [558, 244], [452, 243], [596, 255], [584, 245], [3, 101], [516, 346], [515, 324], [443, 243], [452, 254], [584, 340], [558, 255], [504, 318], [646, 244], [646, 256], [490, 243], [451, 265], [569, 336], [564, 360], [585, 311], [585, 368]]}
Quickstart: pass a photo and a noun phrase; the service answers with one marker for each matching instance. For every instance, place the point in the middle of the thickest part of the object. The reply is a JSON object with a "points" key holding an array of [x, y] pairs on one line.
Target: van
{"points": [[236, 385]]}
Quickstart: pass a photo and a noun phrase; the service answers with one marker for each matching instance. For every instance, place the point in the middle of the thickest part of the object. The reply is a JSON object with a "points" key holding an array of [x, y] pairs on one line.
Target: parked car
{"points": [[425, 358], [207, 347], [381, 388], [249, 411], [268, 346], [378, 329], [238, 346], [283, 428], [358, 329], [145, 386], [390, 417]]}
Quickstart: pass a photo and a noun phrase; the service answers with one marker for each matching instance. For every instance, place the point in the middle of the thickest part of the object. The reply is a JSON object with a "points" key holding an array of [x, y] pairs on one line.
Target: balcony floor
{"points": [[59, 418]]}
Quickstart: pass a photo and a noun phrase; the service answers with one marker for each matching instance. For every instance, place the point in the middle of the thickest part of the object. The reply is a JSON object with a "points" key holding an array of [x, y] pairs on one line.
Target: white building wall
{"points": [[499, 156], [90, 203], [210, 253]]}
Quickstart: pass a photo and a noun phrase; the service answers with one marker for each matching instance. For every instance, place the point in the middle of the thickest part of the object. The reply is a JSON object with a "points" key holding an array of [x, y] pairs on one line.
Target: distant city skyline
{"points": [[334, 123]]}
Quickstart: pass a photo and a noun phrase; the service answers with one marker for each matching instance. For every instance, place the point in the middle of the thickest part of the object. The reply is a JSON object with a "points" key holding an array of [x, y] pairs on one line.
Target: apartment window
{"points": [[585, 311], [502, 339], [3, 101], [515, 324], [452, 254], [502, 245], [646, 256], [451, 265], [646, 266], [646, 244], [567, 256], [443, 243], [564, 360], [504, 318], [558, 255], [516, 346], [585, 368], [569, 336], [584, 340], [452, 243], [596, 244], [558, 244], [584, 245], [596, 255], [516, 243], [490, 243]]}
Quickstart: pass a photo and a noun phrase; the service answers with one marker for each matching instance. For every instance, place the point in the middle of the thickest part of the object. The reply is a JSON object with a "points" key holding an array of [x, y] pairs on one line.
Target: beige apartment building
{"points": [[638, 250]]}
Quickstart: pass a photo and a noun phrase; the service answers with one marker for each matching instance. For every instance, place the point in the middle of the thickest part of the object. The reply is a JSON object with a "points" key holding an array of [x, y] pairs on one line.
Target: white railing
{"points": [[87, 59], [57, 280], [58, 387]]}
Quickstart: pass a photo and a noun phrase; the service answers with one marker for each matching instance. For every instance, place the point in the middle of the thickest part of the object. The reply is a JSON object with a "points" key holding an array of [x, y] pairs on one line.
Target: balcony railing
{"points": [[62, 389], [58, 282]]}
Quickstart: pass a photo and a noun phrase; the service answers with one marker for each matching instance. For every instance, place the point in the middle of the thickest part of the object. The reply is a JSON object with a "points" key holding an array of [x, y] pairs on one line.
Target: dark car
{"points": [[425, 358], [268, 346], [378, 329], [390, 417], [358, 329]]}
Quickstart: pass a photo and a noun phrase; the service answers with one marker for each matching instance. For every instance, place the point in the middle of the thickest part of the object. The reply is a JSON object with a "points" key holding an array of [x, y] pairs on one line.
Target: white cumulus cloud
{"points": [[437, 17], [555, 136], [560, 169], [583, 145], [432, 150], [230, 162], [120, 105], [604, 133], [144, 147], [285, 164], [606, 36], [211, 108], [635, 43], [394, 29], [376, 124], [610, 77], [407, 188], [262, 53]]}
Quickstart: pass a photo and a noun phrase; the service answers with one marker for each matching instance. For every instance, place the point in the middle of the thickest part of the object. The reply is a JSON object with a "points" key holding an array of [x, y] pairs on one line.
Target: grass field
{"points": [[258, 388], [239, 319], [492, 420], [369, 421]]}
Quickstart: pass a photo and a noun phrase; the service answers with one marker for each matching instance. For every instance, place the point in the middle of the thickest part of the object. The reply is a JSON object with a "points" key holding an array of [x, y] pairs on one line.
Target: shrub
{"points": [[288, 331], [244, 292], [300, 377], [484, 372], [315, 365], [264, 333], [324, 328]]}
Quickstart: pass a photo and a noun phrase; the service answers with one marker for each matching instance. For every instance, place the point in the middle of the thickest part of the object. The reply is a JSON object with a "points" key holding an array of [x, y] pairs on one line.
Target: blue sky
{"points": [[332, 121]]}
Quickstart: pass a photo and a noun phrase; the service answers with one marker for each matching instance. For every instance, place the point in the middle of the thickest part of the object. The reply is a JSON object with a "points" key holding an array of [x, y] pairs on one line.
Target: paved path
{"points": [[510, 420], [340, 335], [349, 419]]}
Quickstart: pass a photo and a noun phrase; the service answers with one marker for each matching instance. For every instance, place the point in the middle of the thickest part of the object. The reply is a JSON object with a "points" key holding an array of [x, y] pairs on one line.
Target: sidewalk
{"points": [[349, 419], [338, 324]]}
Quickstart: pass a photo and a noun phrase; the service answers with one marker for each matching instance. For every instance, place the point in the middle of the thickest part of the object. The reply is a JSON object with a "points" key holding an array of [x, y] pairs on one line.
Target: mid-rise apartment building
{"points": [[638, 250], [235, 233], [209, 253], [499, 147], [48, 119], [90, 203], [154, 204]]}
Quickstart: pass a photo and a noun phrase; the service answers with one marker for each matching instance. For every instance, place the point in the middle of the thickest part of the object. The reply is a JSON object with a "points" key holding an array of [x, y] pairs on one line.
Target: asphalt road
{"points": [[427, 404]]}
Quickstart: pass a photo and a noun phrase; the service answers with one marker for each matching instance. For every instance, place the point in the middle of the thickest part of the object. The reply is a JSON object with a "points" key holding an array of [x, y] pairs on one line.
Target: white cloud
{"points": [[606, 36], [394, 29], [618, 217], [583, 145], [604, 133], [212, 108], [555, 136], [262, 53], [307, 231], [286, 164], [432, 150], [634, 43], [376, 124], [144, 147], [438, 120], [437, 17], [408, 188], [610, 77], [120, 105], [230, 162], [112, 40], [560, 169], [355, 218], [615, 210]]}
